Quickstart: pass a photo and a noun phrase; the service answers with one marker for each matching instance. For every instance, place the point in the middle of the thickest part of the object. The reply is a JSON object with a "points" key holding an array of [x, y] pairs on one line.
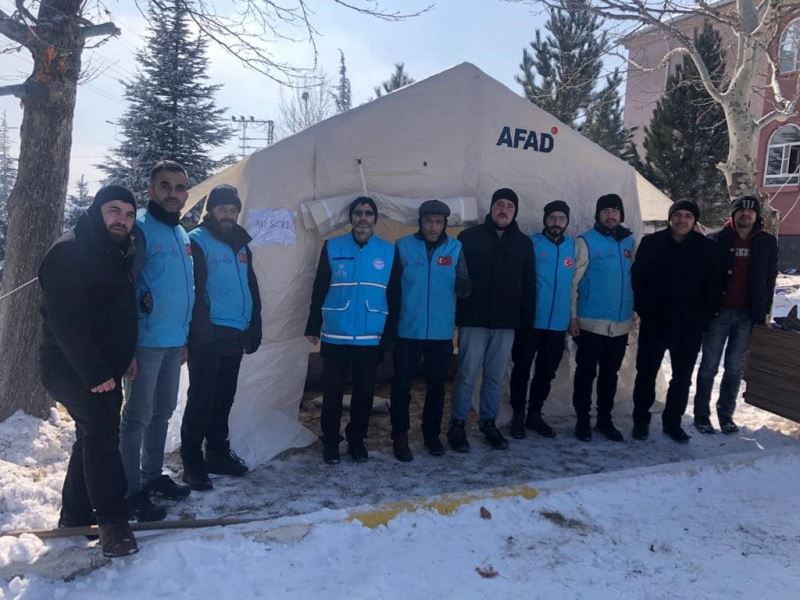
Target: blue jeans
{"points": [[735, 327], [150, 400], [489, 349]]}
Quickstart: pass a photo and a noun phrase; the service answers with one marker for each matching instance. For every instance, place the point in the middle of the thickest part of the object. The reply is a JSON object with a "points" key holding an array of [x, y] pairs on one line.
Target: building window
{"points": [[783, 156], [790, 48]]}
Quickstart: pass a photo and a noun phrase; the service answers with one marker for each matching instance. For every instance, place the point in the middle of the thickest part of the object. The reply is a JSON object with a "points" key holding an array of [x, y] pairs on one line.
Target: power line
{"points": [[244, 138]]}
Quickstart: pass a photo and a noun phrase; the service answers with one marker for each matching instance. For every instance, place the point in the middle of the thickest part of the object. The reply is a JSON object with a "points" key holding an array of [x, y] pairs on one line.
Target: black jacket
{"points": [[503, 278], [763, 269], [675, 286], [89, 309], [202, 331]]}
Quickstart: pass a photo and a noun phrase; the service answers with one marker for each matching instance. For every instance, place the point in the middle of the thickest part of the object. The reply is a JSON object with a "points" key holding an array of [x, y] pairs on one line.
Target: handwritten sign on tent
{"points": [[271, 226]]}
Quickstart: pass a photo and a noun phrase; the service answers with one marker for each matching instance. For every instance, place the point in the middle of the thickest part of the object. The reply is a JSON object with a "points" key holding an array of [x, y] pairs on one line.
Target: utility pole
{"points": [[244, 123]]}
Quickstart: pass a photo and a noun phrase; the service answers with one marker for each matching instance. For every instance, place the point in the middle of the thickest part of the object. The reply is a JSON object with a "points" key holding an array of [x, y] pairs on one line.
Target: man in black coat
{"points": [[89, 337], [748, 257], [226, 323], [674, 286], [500, 263]]}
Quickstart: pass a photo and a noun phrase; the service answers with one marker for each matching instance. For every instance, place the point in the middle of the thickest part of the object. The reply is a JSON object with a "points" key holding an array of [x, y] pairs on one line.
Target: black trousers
{"points": [[213, 376], [436, 356], [337, 361], [595, 351], [95, 480], [652, 346], [548, 348]]}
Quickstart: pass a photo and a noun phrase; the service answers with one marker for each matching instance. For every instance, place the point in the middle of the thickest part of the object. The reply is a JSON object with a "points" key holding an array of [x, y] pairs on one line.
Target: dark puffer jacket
{"points": [[763, 268], [675, 286], [90, 318], [503, 277]]}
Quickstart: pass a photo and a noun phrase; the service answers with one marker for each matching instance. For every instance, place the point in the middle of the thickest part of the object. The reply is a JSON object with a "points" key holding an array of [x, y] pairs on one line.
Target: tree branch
{"points": [[17, 90], [13, 29], [98, 30]]}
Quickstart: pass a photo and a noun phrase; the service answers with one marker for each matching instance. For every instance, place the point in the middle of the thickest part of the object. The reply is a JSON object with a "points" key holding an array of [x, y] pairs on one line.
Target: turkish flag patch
{"points": [[188, 249], [243, 257], [444, 261], [628, 254], [568, 262]]}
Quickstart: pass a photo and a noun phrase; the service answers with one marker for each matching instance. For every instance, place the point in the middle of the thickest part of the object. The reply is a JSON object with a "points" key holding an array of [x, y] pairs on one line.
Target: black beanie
{"points": [[556, 206], [505, 194], [363, 200], [109, 193], [743, 202], [684, 204], [609, 201], [223, 194]]}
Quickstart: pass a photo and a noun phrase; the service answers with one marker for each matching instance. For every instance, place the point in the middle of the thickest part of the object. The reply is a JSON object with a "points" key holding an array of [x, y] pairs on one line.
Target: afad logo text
{"points": [[527, 139]]}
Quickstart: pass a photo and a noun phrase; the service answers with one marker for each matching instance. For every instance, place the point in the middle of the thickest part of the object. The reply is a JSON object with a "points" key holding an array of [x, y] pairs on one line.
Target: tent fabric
{"points": [[653, 202], [458, 135]]}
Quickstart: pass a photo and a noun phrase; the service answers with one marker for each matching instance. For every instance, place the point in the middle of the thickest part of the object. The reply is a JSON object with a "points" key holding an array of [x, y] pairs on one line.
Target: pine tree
{"points": [[171, 112], [397, 80], [562, 71], [77, 204], [688, 134], [605, 125], [342, 98], [8, 174]]}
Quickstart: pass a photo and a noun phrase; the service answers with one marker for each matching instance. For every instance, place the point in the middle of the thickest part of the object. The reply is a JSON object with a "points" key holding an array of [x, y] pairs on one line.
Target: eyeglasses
{"points": [[363, 213]]}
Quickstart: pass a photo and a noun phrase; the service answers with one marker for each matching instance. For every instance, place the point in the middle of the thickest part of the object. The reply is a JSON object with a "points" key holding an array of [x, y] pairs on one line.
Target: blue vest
{"points": [[555, 264], [355, 307], [168, 274], [428, 307], [227, 288], [605, 291]]}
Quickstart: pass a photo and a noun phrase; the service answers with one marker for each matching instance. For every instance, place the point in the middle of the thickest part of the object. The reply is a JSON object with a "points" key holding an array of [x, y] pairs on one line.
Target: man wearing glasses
{"points": [[348, 315]]}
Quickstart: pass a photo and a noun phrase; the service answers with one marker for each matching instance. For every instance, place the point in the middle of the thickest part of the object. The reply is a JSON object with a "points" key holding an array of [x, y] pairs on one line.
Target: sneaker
{"points": [[401, 450], [583, 429], [358, 451], [165, 487], [536, 423], [641, 431], [330, 453], [493, 435], [726, 425], [678, 434], [434, 446], [225, 463], [197, 479], [142, 509], [606, 427], [518, 425], [457, 437], [117, 540], [703, 425]]}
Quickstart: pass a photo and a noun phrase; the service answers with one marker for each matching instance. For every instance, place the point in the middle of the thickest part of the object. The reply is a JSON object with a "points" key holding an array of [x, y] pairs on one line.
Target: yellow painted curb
{"points": [[446, 504]]}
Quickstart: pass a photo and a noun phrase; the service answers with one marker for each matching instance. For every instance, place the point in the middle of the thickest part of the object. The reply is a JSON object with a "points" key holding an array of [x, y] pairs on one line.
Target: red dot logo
{"points": [[554, 130], [568, 262]]}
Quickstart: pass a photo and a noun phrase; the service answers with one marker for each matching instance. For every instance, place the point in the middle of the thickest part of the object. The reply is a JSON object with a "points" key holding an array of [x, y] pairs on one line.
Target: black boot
{"points": [[196, 478], [434, 446], [583, 428], [400, 446], [493, 435], [165, 487], [142, 509], [518, 425], [677, 433], [330, 452], [606, 426], [358, 451], [117, 540], [641, 431], [703, 425], [536, 423], [457, 437], [225, 462]]}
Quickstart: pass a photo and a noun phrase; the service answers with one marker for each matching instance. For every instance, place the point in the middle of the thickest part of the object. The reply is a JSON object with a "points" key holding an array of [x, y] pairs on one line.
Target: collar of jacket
{"points": [[557, 242], [431, 245], [491, 226], [168, 218], [619, 232], [236, 238]]}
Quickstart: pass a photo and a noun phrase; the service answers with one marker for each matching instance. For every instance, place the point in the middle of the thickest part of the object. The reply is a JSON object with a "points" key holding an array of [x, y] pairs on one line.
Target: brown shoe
{"points": [[117, 540]]}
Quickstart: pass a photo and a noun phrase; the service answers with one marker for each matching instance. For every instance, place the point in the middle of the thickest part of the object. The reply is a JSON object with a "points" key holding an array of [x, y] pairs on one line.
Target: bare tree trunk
{"points": [[36, 204]]}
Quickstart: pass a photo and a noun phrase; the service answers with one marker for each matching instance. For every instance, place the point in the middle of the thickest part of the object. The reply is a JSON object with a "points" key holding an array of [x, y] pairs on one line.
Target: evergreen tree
{"points": [[397, 80], [77, 204], [342, 98], [688, 134], [562, 70], [171, 111], [8, 174]]}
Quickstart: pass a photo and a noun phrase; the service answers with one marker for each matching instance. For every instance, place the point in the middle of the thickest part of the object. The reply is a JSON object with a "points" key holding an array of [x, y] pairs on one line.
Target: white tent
{"points": [[458, 136]]}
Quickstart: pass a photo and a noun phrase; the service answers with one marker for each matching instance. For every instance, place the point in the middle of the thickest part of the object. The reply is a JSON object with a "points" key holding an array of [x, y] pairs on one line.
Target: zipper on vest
{"points": [[239, 274], [555, 287], [428, 308], [621, 279], [185, 277]]}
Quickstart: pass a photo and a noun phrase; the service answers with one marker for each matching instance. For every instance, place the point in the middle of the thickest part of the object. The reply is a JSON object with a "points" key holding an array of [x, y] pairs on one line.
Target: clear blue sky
{"points": [[489, 33]]}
